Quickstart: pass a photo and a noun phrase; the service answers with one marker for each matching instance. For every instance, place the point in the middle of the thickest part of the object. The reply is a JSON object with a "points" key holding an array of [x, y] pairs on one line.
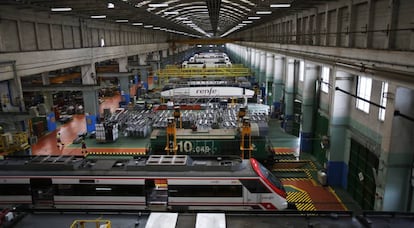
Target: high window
{"points": [[301, 71], [363, 91], [383, 101], [325, 79]]}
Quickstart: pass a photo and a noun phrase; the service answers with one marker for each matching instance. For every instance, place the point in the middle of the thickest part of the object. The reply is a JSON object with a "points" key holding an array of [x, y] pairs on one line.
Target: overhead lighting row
{"points": [[111, 5], [251, 18]]}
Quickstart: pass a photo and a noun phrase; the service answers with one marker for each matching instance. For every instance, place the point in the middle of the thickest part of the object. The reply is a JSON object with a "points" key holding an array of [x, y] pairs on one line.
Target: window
{"points": [[255, 186], [14, 189], [98, 190], [301, 71], [325, 79], [205, 190], [383, 101], [363, 91]]}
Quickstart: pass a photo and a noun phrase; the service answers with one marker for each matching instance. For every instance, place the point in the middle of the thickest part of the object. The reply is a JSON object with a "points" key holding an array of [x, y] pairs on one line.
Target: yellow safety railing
{"points": [[173, 71], [100, 223]]}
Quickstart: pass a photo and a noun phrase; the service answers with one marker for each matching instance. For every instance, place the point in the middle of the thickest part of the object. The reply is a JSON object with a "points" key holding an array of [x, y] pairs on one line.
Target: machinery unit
{"points": [[14, 143]]}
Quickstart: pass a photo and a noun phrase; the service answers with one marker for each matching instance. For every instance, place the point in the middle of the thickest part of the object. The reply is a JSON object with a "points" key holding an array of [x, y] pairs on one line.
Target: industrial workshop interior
{"points": [[206, 113]]}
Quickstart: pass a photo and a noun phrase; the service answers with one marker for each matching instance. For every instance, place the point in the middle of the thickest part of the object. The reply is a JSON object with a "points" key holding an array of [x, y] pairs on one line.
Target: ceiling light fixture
{"points": [[137, 23], [171, 13], [158, 5], [263, 12], [253, 18], [121, 21], [63, 9], [111, 5], [247, 22], [98, 16], [148, 26], [282, 5]]}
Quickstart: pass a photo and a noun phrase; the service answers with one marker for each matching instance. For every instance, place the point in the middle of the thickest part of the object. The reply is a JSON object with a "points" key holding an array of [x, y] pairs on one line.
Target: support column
{"points": [[252, 59], [269, 78], [278, 85], [262, 68], [47, 96], [143, 71], [124, 80], [48, 102], [339, 143], [308, 97], [154, 66], [91, 97], [164, 53], [248, 56], [289, 95], [257, 66]]}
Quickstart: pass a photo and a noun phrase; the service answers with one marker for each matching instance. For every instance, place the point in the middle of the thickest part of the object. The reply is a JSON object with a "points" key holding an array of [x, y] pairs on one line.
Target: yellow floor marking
{"points": [[337, 197]]}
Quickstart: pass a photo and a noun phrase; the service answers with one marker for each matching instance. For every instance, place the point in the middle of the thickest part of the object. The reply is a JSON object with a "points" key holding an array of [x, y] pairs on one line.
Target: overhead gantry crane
{"points": [[171, 147]]}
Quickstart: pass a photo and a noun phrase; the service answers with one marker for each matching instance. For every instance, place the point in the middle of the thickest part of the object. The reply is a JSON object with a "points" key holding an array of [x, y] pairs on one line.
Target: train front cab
{"points": [[273, 197]]}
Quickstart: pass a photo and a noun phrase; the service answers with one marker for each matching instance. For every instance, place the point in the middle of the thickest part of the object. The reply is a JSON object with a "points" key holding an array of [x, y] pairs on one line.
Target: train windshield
{"points": [[268, 175]]}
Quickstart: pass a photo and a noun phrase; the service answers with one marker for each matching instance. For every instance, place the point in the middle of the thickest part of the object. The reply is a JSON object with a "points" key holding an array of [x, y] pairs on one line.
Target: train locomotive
{"points": [[157, 182]]}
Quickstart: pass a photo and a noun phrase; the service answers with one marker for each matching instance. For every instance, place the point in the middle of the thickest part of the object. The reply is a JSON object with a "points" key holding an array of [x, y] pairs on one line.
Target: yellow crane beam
{"points": [[212, 72], [203, 41]]}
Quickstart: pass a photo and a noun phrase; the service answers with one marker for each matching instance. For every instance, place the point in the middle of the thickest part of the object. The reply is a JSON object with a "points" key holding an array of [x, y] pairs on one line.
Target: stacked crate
{"points": [[106, 132]]}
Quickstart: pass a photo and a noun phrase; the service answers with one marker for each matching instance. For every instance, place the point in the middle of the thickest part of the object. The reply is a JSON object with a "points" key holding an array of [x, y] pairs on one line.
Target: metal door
{"points": [[363, 164]]}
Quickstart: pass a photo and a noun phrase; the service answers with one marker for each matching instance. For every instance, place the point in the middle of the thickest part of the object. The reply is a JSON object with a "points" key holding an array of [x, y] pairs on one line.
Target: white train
{"points": [[158, 182]]}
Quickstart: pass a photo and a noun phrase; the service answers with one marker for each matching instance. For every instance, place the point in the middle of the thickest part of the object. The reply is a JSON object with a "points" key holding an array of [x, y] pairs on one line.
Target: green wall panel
{"points": [[321, 128], [361, 180]]}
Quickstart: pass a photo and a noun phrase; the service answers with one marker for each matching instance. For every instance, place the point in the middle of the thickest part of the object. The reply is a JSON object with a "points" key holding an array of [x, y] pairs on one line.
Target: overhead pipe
{"points": [[396, 112], [360, 98]]}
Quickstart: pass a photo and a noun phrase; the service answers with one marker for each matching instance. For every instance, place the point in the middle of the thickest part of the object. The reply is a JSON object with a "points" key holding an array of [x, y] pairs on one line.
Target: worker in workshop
{"points": [[83, 147], [59, 143]]}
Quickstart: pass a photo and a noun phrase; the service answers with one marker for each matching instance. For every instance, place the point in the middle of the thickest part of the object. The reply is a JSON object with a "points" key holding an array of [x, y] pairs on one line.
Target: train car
{"points": [[158, 182], [214, 142]]}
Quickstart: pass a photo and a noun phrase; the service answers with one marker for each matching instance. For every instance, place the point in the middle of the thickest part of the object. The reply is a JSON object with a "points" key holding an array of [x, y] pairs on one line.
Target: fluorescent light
{"points": [[98, 16], [182, 18], [148, 26], [171, 13], [253, 18], [263, 12], [156, 28], [187, 22], [121, 21], [247, 22], [111, 5], [280, 5], [137, 23], [63, 9], [158, 5]]}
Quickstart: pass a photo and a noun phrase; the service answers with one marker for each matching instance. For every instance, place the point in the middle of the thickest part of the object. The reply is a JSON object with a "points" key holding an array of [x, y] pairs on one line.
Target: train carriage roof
{"points": [[155, 165]]}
